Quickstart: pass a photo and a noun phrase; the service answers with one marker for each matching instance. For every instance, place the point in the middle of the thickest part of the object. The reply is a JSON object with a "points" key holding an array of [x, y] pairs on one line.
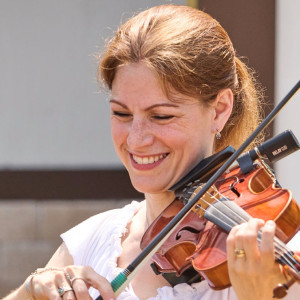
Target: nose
{"points": [[140, 134]]}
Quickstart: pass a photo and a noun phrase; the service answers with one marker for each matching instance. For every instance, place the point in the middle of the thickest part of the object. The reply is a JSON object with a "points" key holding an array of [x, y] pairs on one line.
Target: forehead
{"points": [[137, 80], [134, 77]]}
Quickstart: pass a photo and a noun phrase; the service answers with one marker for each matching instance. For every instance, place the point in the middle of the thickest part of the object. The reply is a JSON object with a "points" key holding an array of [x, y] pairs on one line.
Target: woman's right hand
{"points": [[68, 283]]}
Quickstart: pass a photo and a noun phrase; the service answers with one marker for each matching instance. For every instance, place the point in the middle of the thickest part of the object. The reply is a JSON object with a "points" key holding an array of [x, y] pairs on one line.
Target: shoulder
{"points": [[86, 237]]}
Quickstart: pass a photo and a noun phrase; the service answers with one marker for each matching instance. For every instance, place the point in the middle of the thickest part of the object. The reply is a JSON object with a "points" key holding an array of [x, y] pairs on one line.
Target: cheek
{"points": [[118, 133], [195, 143]]}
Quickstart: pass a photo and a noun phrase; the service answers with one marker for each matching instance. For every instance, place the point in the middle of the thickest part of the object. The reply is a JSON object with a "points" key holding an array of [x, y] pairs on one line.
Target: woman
{"points": [[175, 84]]}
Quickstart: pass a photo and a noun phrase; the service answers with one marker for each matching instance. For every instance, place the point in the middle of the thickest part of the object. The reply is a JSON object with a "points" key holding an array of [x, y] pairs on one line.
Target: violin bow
{"points": [[124, 277]]}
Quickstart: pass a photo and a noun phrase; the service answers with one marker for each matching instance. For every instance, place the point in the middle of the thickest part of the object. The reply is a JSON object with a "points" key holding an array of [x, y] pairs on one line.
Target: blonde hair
{"points": [[192, 53]]}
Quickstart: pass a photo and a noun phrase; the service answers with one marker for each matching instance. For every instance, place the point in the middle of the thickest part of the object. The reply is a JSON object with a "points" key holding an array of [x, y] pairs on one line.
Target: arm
{"points": [[45, 284], [60, 258]]}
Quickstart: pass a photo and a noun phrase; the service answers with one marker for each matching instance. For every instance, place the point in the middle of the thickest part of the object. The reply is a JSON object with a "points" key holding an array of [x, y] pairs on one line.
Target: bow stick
{"points": [[124, 277]]}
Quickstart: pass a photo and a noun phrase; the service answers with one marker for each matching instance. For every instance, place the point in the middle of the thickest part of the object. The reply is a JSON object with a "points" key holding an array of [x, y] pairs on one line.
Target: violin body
{"points": [[181, 244], [201, 244], [260, 198]]}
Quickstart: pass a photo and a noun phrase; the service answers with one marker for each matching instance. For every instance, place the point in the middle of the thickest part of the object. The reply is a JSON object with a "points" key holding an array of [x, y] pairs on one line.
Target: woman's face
{"points": [[157, 140]]}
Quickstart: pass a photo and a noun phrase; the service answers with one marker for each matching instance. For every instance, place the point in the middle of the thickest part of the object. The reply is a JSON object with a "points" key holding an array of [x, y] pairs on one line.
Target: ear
{"points": [[222, 109]]}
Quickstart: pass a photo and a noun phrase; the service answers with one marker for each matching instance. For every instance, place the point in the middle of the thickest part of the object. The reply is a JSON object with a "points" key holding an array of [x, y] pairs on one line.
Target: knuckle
{"points": [[239, 237], [72, 269], [251, 236], [268, 230], [246, 236], [48, 284], [58, 276], [69, 268]]}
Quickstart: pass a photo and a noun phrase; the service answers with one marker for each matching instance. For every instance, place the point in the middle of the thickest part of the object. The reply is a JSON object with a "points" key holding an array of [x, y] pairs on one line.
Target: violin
{"points": [[199, 241], [260, 184]]}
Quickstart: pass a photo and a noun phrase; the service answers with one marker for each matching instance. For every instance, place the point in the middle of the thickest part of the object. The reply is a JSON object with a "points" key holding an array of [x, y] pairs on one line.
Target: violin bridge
{"points": [[206, 200]]}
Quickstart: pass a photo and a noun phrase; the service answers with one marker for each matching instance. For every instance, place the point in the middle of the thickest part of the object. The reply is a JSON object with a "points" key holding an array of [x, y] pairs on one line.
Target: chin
{"points": [[149, 188]]}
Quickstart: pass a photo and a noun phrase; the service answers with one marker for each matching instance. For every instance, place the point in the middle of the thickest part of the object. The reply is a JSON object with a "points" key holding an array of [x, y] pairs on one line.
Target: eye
{"points": [[162, 117], [121, 114]]}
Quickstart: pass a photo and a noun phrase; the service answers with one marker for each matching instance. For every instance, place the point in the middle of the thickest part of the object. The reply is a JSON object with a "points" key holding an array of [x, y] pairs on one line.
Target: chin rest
{"points": [[204, 169]]}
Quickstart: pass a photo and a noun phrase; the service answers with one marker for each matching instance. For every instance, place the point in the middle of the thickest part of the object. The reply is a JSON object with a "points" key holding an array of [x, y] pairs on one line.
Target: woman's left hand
{"points": [[252, 268]]}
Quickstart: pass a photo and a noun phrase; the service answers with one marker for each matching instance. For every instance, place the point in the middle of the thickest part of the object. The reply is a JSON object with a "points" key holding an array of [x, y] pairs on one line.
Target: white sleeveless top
{"points": [[96, 242]]}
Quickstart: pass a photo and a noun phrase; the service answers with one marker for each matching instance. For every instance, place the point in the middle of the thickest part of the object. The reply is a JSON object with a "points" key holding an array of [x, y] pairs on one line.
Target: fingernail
{"points": [[270, 223]]}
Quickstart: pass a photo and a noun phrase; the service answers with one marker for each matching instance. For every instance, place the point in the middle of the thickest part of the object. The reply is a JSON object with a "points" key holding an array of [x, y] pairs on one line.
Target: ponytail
{"points": [[246, 112]]}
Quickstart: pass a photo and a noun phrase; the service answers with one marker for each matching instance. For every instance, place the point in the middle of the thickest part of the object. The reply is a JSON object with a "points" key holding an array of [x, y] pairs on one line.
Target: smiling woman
{"points": [[147, 125], [188, 61], [178, 95]]}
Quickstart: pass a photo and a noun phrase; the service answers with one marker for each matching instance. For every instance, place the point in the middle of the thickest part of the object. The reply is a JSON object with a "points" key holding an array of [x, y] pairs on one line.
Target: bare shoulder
{"points": [[61, 257]]}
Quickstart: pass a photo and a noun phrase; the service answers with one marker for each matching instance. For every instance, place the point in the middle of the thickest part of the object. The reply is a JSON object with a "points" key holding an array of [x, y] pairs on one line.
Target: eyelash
{"points": [[167, 117], [156, 118], [120, 114]]}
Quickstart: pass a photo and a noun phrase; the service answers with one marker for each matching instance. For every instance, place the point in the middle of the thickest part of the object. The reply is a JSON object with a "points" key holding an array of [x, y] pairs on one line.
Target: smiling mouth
{"points": [[148, 160]]}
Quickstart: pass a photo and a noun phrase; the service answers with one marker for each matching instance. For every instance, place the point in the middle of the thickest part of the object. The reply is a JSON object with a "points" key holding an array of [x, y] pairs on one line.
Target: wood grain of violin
{"points": [[203, 246]]}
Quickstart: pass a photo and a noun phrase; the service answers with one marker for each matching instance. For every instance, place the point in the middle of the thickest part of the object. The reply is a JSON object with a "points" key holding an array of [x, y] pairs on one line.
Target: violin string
{"points": [[282, 253], [283, 258], [224, 204], [279, 245]]}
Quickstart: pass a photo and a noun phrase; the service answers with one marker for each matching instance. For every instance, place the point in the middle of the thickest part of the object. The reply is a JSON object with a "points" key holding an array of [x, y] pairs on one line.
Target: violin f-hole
{"points": [[234, 190], [187, 228]]}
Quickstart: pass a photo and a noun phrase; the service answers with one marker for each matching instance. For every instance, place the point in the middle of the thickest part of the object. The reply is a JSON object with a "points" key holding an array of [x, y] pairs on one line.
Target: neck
{"points": [[155, 204]]}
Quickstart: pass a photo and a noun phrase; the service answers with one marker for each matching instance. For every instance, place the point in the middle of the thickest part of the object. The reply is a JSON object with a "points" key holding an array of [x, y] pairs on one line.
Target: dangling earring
{"points": [[218, 134]]}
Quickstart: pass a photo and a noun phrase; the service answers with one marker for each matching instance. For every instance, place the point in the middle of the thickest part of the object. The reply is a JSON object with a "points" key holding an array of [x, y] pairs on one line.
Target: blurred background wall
{"points": [[57, 163]]}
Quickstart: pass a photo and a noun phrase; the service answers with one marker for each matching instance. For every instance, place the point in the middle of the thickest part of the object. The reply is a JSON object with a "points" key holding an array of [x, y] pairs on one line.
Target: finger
{"points": [[243, 238], [69, 295], [230, 245], [240, 256], [65, 290], [91, 279], [267, 242], [80, 288], [68, 276], [240, 236], [103, 286], [250, 238]]}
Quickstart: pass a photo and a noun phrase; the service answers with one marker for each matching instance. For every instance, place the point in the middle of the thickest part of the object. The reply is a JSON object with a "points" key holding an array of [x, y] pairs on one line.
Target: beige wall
{"points": [[29, 233], [287, 67], [52, 113]]}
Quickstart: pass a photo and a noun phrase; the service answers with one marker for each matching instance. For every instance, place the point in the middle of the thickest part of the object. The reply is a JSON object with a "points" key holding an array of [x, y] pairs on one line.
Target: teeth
{"points": [[147, 160]]}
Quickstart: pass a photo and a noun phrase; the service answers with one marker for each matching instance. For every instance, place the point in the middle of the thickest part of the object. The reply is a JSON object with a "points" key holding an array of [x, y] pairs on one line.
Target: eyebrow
{"points": [[148, 108]]}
